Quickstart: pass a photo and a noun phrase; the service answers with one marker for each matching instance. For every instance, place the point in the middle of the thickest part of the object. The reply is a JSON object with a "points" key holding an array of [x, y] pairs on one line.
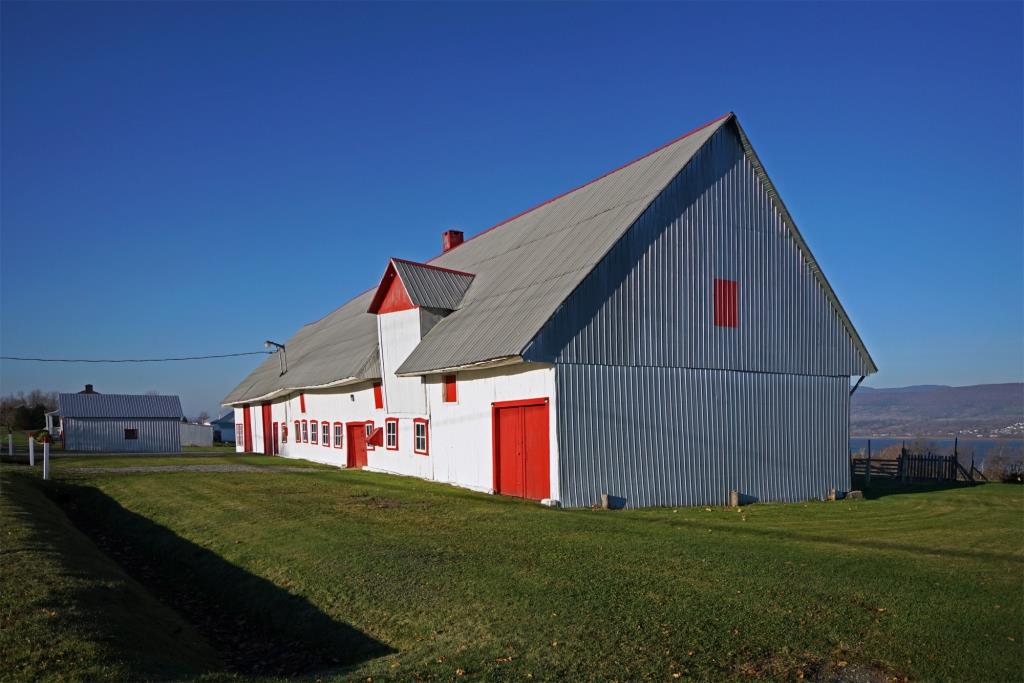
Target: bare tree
{"points": [[203, 417]]}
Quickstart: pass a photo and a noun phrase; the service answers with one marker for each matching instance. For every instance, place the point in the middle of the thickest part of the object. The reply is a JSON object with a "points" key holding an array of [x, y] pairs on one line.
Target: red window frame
{"points": [[339, 435], [426, 436], [450, 392], [314, 431], [369, 430], [394, 421], [284, 432], [298, 432], [727, 303], [326, 443], [305, 431], [302, 403], [378, 396]]}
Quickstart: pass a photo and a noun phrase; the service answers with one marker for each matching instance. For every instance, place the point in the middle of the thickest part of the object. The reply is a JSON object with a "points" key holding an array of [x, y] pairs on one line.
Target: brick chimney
{"points": [[451, 239], [87, 390]]}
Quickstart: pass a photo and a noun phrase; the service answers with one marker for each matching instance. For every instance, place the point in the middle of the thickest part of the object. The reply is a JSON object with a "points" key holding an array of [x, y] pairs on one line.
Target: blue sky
{"points": [[194, 178]]}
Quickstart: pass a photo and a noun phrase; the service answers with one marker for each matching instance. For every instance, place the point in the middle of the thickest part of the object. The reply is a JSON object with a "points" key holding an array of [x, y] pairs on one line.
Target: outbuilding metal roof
{"points": [[524, 268], [119, 406]]}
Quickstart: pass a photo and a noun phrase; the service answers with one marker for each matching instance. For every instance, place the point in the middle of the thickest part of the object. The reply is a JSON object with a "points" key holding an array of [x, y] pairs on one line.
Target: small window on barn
{"points": [[450, 391], [369, 431], [314, 431], [239, 433], [131, 434], [284, 432], [726, 303], [325, 434], [305, 432], [420, 440], [391, 434], [378, 396], [298, 432], [339, 431]]}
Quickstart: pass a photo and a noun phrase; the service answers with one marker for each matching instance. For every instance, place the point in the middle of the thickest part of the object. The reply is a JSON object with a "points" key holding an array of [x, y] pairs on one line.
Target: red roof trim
{"points": [[591, 182]]}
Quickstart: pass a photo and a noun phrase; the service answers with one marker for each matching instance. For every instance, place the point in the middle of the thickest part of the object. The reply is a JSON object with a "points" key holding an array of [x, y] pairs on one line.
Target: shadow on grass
{"points": [[881, 487], [257, 627]]}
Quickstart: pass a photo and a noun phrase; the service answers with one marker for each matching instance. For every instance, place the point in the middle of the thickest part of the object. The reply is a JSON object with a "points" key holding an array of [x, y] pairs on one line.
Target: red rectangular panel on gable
{"points": [[726, 303], [378, 397]]}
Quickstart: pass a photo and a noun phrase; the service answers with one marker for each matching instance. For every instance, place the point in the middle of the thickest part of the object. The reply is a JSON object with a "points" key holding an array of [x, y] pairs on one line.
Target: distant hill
{"points": [[981, 410]]}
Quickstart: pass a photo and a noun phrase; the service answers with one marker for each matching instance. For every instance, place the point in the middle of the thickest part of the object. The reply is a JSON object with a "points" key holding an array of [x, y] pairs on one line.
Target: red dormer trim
{"points": [[391, 294]]}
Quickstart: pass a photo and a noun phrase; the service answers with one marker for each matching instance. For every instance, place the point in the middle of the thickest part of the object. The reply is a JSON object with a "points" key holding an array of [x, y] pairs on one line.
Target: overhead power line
{"points": [[133, 360]]}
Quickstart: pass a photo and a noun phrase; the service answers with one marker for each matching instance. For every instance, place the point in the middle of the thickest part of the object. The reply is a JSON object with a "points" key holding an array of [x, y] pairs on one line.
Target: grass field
{"points": [[386, 577]]}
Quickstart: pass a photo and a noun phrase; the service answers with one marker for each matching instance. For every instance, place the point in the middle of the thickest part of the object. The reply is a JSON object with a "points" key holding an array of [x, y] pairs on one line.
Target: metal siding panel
{"points": [[106, 435], [694, 434]]}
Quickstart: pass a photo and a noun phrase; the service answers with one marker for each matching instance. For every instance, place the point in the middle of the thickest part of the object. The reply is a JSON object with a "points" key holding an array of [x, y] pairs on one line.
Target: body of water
{"points": [[979, 448]]}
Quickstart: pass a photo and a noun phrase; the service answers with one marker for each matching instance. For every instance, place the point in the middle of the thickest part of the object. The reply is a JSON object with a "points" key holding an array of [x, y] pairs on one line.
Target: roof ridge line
{"points": [[589, 182]]}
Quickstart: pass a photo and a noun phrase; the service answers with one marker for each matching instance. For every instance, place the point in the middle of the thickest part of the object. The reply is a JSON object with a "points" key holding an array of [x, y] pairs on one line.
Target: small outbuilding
{"points": [[224, 428], [118, 423]]}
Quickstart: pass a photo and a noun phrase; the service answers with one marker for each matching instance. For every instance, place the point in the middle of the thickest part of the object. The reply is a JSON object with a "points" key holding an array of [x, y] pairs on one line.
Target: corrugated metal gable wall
{"points": [[649, 302], [100, 435], [659, 406]]}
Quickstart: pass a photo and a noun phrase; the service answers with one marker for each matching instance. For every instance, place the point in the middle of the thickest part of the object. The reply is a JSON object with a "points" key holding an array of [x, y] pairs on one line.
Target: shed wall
{"points": [[650, 301], [678, 436], [106, 435]]}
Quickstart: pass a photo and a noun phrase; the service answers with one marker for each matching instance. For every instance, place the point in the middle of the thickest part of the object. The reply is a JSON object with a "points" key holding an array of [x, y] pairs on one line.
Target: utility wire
{"points": [[132, 360]]}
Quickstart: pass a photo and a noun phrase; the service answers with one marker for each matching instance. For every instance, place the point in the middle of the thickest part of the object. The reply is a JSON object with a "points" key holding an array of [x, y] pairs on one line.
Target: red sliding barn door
{"points": [[356, 436], [521, 449]]}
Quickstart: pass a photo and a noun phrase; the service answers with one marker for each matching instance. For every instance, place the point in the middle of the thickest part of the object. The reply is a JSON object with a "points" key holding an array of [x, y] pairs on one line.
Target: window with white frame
{"points": [[325, 434], [420, 441], [305, 432], [314, 431], [391, 434], [337, 434], [369, 432]]}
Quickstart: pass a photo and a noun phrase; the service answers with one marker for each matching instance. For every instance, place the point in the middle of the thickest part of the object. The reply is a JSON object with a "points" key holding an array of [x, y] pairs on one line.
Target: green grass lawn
{"points": [[398, 578]]}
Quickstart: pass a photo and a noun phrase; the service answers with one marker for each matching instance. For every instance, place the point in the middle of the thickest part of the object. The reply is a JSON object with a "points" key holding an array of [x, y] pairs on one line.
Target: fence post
{"points": [[46, 460], [31, 451], [867, 472], [10, 444]]}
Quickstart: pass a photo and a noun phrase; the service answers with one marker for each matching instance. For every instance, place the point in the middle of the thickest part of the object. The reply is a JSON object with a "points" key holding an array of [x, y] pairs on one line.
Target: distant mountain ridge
{"points": [[980, 410]]}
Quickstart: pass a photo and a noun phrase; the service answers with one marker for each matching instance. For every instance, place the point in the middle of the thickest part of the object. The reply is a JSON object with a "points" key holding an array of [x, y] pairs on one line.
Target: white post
{"points": [[46, 460], [31, 451], [10, 444]]}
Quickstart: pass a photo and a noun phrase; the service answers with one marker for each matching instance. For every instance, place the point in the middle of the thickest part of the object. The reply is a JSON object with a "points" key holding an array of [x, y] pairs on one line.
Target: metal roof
{"points": [[431, 286], [523, 270], [119, 406]]}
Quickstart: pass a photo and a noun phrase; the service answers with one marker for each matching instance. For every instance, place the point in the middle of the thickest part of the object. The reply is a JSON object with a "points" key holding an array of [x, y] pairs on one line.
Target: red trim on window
{"points": [[426, 436], [327, 443], [302, 403], [450, 394], [284, 432], [726, 303], [337, 426], [386, 422], [305, 431], [369, 432], [378, 396], [314, 431], [298, 432]]}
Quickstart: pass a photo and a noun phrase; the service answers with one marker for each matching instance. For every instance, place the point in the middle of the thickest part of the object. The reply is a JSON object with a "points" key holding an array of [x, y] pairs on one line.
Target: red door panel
{"points": [[510, 451], [355, 433], [537, 459], [268, 445], [247, 436]]}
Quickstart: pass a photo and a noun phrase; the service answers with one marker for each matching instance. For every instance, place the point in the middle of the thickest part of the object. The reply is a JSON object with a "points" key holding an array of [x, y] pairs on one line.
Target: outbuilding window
{"points": [[391, 433], [450, 391], [369, 430], [726, 303], [339, 429], [314, 431], [305, 432], [420, 439], [325, 434], [131, 434]]}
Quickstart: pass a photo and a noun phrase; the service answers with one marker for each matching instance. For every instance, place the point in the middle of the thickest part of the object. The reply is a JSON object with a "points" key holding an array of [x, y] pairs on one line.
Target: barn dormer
{"points": [[410, 299]]}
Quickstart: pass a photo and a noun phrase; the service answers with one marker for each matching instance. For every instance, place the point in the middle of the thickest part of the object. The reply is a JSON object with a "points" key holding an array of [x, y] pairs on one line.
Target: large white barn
{"points": [[661, 334]]}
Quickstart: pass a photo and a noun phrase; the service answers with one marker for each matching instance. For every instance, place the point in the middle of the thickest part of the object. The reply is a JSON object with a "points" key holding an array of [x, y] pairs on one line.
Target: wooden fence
{"points": [[909, 468]]}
